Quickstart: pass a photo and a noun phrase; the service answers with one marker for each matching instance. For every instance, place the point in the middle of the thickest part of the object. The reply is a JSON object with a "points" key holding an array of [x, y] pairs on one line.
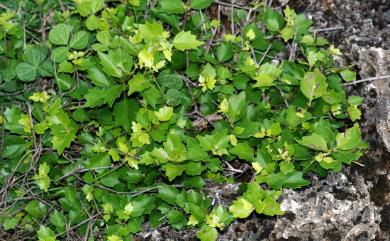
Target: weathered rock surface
{"points": [[336, 208]]}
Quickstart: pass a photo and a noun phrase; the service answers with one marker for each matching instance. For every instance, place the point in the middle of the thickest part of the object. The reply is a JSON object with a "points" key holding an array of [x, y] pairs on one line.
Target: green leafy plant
{"points": [[125, 119]]}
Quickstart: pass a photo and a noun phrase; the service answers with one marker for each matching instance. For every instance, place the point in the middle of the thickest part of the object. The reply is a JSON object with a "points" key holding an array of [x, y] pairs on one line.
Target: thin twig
{"points": [[79, 224], [2, 118], [3, 6], [235, 6], [368, 79], [81, 170], [265, 54], [231, 168], [327, 29]]}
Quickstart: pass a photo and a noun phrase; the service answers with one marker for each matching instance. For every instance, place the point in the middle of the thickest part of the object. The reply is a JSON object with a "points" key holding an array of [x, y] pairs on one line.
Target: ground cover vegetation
{"points": [[120, 113]]}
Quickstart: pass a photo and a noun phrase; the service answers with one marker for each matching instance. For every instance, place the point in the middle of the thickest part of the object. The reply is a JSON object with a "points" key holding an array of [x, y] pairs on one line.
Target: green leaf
{"points": [[176, 150], [164, 114], [185, 40], [168, 194], [110, 65], [13, 146], [60, 34], [170, 80], [176, 219], [269, 207], [287, 33], [97, 97], [219, 217], [36, 209], [171, 6], [125, 112], [273, 20], [266, 75], [42, 179], [200, 4], [63, 136], [45, 234], [172, 171], [36, 55], [313, 85], [348, 75], [57, 219], [236, 107], [207, 233], [151, 30], [65, 82], [290, 180], [354, 113], [138, 83], [110, 180], [98, 77], [79, 40], [349, 139], [60, 54], [243, 151], [315, 142], [11, 222], [241, 208], [88, 7], [225, 52], [26, 72], [194, 168]]}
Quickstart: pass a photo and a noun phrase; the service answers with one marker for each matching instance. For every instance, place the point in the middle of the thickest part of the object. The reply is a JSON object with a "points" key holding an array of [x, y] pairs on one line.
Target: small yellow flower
{"points": [[129, 208], [250, 34], [258, 168], [114, 238], [224, 106]]}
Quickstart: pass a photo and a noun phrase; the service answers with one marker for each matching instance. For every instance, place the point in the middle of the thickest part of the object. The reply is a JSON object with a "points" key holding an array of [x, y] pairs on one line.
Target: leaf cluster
{"points": [[131, 110]]}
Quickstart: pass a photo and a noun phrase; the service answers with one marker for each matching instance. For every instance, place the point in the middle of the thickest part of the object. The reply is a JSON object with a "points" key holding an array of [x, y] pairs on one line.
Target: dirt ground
{"points": [[355, 204]]}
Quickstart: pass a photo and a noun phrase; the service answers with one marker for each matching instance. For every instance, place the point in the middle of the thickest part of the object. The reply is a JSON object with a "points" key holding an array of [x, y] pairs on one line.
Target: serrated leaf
{"points": [[46, 234], [138, 83], [186, 40], [241, 208], [57, 219], [164, 114], [79, 40], [36, 55], [243, 151], [207, 233], [60, 34], [63, 136], [11, 222], [172, 171], [88, 7], [26, 72]]}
